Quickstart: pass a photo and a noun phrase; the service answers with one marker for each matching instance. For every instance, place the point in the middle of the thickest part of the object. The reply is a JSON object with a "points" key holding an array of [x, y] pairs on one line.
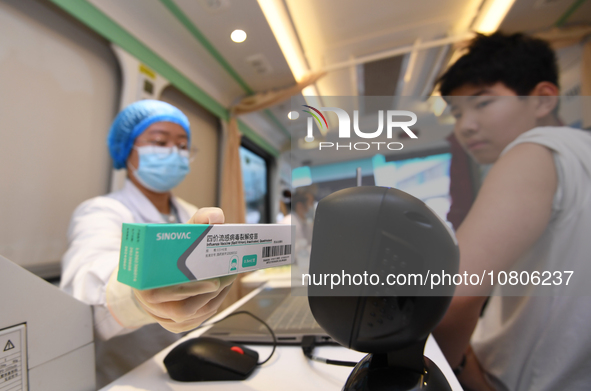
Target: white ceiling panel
{"points": [[263, 127], [151, 23], [401, 36], [536, 15], [245, 15], [334, 30], [330, 32]]}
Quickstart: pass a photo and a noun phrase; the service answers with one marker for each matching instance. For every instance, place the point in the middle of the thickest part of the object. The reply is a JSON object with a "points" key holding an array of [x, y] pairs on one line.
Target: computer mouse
{"points": [[210, 359]]}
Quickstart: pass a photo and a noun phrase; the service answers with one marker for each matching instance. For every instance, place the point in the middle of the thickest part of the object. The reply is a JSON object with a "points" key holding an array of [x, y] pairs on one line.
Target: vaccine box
{"points": [[158, 255]]}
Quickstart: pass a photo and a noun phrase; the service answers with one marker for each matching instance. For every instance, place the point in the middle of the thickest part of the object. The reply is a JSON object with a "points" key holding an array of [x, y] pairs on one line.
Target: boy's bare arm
{"points": [[472, 377], [510, 213]]}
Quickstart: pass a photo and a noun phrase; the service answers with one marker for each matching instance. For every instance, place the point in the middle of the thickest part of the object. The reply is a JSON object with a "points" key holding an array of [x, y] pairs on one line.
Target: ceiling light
{"points": [[310, 91], [280, 23], [293, 115], [309, 143], [238, 36], [438, 105], [492, 14]]}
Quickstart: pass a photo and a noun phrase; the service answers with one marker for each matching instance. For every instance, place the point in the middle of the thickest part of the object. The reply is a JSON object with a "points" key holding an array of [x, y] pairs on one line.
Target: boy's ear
{"points": [[547, 98]]}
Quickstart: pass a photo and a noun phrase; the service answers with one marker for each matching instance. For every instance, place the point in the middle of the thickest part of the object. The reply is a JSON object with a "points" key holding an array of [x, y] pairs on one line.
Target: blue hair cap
{"points": [[134, 120]]}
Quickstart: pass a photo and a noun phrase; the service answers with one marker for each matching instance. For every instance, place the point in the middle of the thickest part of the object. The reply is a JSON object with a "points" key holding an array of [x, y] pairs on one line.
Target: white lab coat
{"points": [[94, 238]]}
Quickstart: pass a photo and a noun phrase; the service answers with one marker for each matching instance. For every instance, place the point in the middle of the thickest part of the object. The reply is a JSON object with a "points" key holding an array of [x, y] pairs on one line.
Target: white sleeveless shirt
{"points": [[541, 342]]}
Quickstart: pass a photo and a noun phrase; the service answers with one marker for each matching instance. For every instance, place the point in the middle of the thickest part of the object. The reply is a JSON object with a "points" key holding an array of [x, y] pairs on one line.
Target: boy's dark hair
{"points": [[518, 61]]}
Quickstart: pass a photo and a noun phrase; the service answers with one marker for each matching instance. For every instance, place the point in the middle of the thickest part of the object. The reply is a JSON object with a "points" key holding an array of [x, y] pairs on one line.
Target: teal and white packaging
{"points": [[157, 255]]}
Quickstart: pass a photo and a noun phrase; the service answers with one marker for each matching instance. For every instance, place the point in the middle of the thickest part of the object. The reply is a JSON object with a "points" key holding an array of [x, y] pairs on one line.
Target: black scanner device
{"points": [[383, 231], [210, 359]]}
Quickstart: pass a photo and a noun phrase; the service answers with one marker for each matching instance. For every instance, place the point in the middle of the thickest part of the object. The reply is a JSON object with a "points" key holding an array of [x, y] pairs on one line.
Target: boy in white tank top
{"points": [[532, 214]]}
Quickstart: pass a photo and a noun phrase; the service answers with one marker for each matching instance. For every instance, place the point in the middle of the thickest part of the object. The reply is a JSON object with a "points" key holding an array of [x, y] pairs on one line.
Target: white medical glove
{"points": [[179, 307], [183, 307]]}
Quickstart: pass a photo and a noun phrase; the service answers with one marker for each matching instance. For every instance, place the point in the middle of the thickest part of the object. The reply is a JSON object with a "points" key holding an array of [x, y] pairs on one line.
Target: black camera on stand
{"points": [[383, 245]]}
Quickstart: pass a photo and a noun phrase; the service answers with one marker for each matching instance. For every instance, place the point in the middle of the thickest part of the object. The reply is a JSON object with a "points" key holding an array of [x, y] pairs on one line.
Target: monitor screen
{"points": [[426, 178]]}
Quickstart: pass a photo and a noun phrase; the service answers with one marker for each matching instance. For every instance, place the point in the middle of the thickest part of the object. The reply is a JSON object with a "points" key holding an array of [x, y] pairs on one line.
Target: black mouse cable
{"points": [[256, 318], [308, 344]]}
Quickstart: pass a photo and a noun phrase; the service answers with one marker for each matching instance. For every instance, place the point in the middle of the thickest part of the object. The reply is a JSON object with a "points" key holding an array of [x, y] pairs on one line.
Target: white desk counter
{"points": [[257, 278], [288, 369]]}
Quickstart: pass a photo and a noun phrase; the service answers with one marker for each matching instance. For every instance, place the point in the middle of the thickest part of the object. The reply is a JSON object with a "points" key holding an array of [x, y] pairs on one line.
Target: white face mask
{"points": [[161, 168]]}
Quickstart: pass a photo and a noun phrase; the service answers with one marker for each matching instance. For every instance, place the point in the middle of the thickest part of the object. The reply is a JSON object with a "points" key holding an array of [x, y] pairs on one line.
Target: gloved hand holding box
{"points": [[158, 255]]}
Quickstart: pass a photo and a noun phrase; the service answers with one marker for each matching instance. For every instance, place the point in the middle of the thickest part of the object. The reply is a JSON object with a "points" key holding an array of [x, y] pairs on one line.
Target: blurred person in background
{"points": [[284, 207], [302, 218]]}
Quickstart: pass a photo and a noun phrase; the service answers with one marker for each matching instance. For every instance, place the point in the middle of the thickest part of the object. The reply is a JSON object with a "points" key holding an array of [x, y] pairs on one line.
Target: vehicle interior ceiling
{"points": [[413, 41]]}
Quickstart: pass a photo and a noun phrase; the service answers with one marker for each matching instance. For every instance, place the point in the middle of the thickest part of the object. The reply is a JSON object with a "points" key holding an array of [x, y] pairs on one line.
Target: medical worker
{"points": [[151, 139]]}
